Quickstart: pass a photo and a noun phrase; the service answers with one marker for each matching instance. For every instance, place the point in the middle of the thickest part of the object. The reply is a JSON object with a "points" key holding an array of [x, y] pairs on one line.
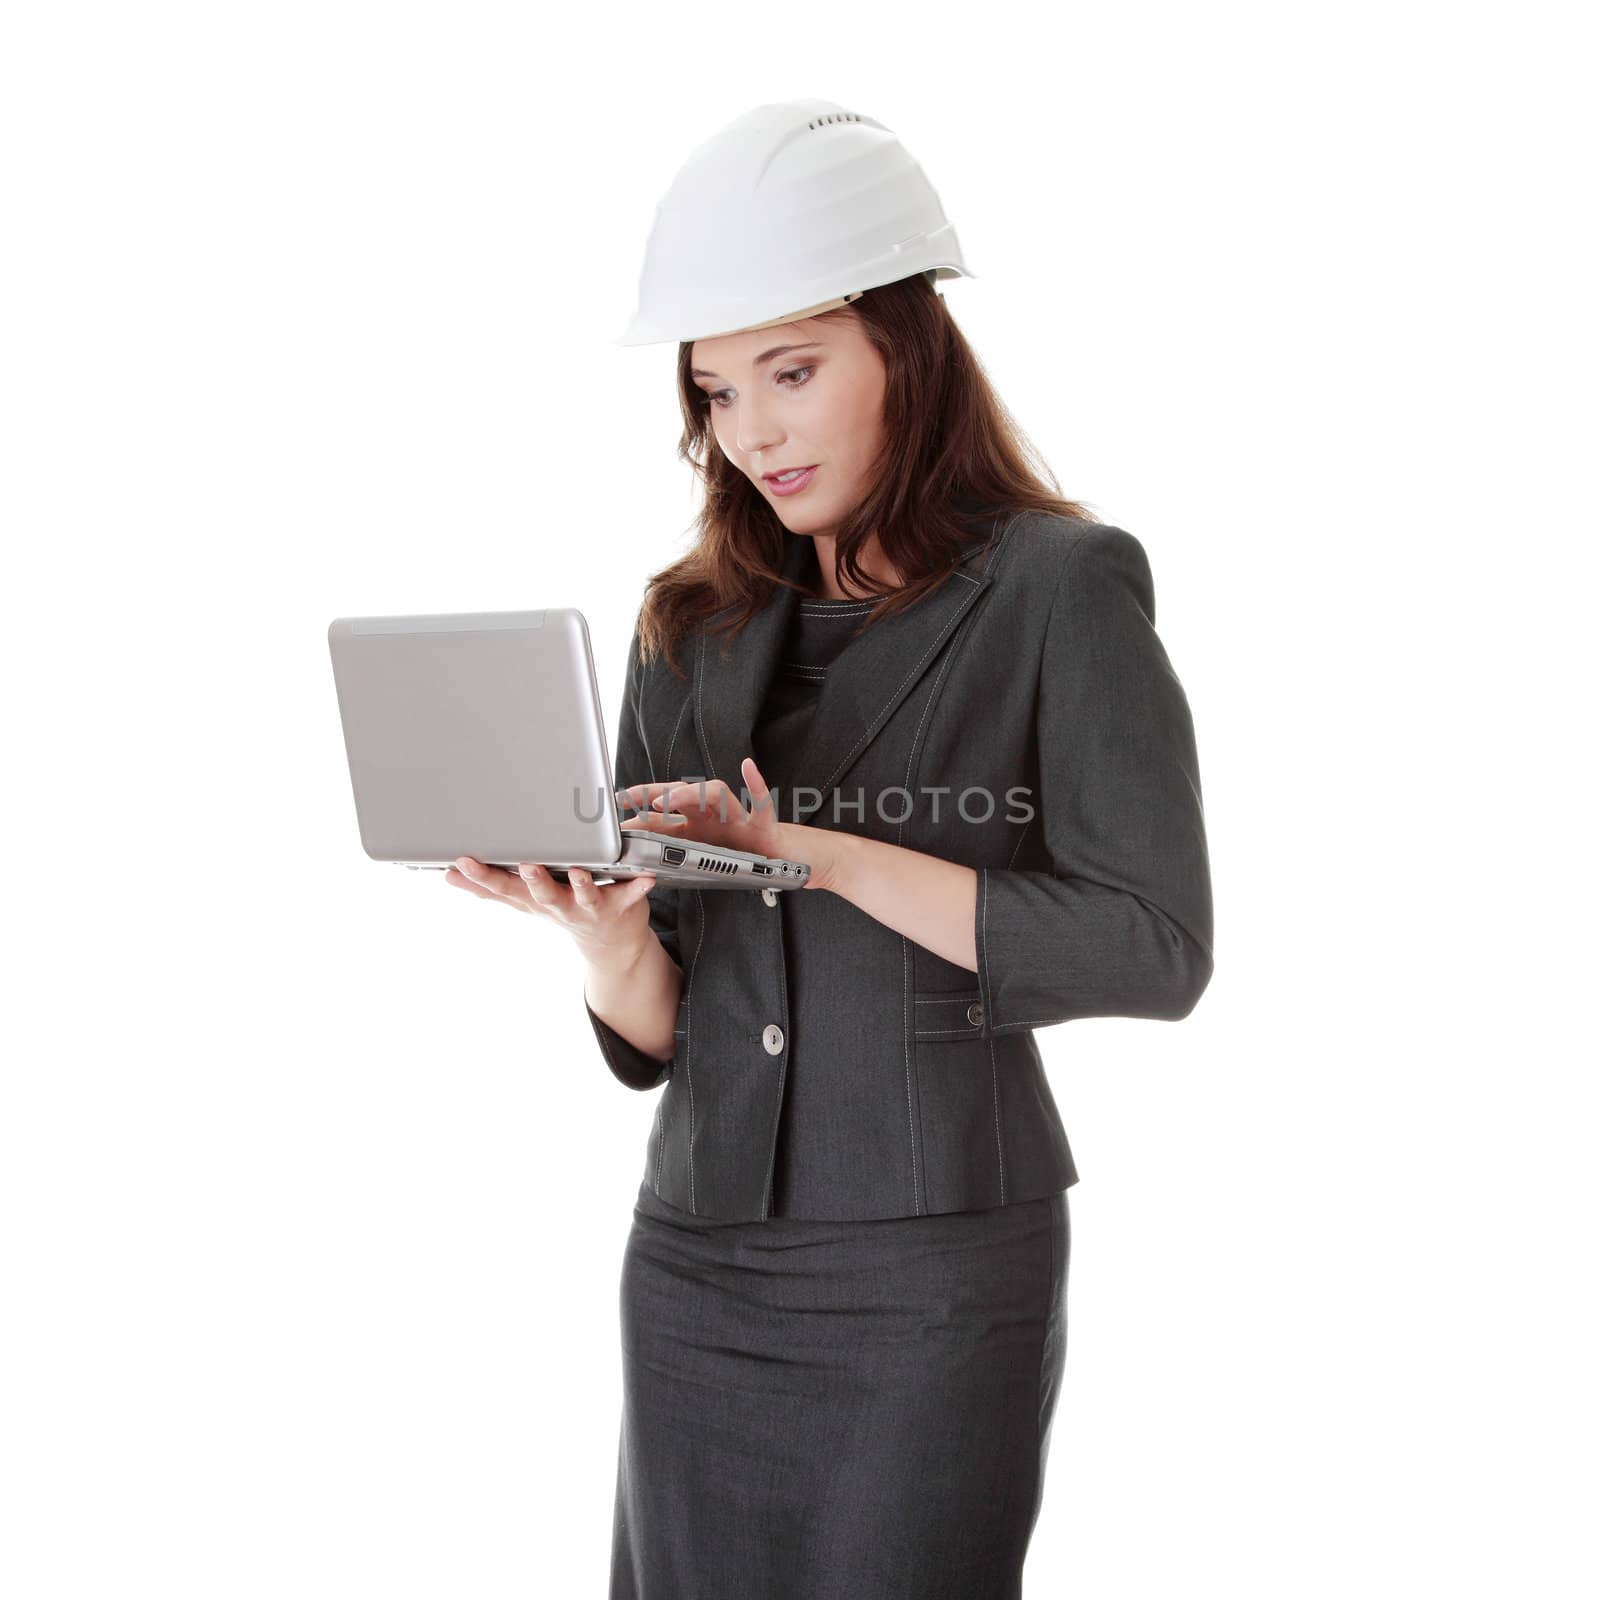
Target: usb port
{"points": [[672, 855], [762, 868]]}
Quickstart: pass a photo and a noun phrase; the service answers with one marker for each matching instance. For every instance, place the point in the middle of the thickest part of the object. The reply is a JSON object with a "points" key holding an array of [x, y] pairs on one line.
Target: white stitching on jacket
{"points": [[661, 1137], [871, 728], [783, 1070], [905, 1025], [900, 833], [994, 1074], [673, 743], [688, 1023]]}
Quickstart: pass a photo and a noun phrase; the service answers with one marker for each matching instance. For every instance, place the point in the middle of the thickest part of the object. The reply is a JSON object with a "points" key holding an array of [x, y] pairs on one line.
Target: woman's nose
{"points": [[755, 431]]}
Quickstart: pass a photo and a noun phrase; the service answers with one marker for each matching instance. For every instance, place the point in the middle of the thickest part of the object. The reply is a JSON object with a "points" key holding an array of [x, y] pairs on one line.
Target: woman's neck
{"points": [[872, 563]]}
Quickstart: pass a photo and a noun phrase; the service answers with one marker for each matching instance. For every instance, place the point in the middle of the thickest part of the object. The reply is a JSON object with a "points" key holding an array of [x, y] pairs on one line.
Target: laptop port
{"points": [[672, 855], [762, 868]]}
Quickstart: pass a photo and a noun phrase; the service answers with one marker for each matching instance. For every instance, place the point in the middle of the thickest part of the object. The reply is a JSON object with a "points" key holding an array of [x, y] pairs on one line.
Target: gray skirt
{"points": [[836, 1409]]}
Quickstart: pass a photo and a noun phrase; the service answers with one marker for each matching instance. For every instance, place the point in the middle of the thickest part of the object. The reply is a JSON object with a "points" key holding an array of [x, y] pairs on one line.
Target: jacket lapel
{"points": [[866, 681]]}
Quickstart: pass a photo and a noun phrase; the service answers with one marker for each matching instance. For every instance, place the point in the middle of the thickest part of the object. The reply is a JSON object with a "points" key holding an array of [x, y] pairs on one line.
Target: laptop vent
{"points": [[716, 864]]}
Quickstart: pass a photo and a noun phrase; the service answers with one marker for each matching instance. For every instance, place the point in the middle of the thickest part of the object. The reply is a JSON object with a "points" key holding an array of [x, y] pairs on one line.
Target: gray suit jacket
{"points": [[893, 1082]]}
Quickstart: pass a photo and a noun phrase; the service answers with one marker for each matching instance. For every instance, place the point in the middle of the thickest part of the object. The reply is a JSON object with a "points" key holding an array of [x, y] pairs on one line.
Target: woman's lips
{"points": [[794, 485]]}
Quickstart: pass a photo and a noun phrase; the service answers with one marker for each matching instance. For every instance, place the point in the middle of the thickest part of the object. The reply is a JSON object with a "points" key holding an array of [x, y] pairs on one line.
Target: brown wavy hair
{"points": [[953, 462]]}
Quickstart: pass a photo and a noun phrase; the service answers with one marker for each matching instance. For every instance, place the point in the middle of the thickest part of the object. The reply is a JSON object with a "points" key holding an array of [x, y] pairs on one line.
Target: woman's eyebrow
{"points": [[762, 359]]}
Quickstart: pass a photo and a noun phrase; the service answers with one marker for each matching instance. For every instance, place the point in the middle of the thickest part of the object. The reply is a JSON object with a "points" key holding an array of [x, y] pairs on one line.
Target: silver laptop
{"points": [[481, 734]]}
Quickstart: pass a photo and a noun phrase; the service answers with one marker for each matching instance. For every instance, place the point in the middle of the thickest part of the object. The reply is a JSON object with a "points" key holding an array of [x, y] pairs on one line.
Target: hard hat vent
{"points": [[838, 116]]}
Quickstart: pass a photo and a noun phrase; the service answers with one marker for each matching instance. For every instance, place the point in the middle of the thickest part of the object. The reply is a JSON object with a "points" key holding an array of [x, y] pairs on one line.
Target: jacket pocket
{"points": [[953, 1014], [958, 1114]]}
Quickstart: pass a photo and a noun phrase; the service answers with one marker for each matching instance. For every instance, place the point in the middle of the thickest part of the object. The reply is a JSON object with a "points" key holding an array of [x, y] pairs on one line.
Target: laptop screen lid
{"points": [[476, 733]]}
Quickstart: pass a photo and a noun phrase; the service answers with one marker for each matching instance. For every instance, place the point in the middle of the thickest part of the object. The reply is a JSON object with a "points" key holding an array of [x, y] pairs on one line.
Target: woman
{"points": [[913, 667]]}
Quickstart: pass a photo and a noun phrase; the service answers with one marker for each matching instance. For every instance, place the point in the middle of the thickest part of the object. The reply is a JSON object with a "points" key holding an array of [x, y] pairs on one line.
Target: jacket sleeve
{"points": [[630, 1064], [1120, 924]]}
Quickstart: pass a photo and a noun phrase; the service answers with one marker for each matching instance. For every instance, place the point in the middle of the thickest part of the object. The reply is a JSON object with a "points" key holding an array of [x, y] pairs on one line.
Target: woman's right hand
{"points": [[609, 921]]}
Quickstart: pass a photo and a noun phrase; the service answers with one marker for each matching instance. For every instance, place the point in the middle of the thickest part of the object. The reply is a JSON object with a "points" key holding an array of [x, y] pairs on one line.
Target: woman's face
{"points": [[803, 394]]}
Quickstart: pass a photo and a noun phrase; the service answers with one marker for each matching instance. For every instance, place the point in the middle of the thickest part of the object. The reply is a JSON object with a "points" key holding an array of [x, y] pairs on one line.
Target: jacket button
{"points": [[975, 1013], [772, 1038], [770, 896]]}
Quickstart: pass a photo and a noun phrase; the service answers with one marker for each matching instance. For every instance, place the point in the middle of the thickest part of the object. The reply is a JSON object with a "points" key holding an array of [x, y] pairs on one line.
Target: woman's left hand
{"points": [[712, 812]]}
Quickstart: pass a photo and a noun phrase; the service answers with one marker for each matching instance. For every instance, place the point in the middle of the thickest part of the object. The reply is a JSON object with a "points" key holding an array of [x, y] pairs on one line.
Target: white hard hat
{"points": [[789, 211]]}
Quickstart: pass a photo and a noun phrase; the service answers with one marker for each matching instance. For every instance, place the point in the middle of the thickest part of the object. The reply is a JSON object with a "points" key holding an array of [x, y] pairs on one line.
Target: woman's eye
{"points": [[793, 372]]}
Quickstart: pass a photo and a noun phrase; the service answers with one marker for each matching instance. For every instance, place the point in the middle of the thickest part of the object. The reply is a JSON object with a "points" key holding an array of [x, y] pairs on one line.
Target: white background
{"points": [[313, 1182]]}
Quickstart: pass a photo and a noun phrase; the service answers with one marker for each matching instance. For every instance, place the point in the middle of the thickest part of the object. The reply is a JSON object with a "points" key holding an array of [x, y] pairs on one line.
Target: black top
{"points": [[818, 631]]}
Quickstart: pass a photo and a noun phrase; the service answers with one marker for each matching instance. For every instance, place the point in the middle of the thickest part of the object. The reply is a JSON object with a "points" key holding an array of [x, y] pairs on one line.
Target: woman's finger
{"points": [[642, 795], [634, 889], [542, 889], [760, 794], [490, 877], [458, 879], [637, 797], [495, 879], [700, 795], [584, 891]]}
